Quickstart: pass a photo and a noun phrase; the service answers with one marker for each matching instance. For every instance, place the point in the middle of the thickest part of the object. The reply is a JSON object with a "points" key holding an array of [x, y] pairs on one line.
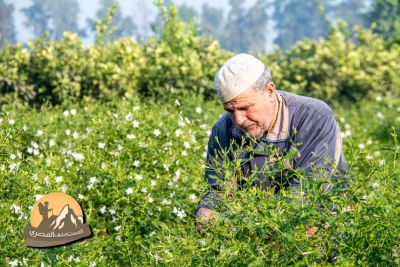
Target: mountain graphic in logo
{"points": [[56, 219]]}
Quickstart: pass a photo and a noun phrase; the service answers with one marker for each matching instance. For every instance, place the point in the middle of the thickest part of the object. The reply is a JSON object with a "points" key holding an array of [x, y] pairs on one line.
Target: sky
{"points": [[89, 8]]}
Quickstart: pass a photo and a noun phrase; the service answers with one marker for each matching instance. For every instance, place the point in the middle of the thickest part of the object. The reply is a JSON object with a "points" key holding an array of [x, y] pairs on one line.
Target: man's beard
{"points": [[258, 133]]}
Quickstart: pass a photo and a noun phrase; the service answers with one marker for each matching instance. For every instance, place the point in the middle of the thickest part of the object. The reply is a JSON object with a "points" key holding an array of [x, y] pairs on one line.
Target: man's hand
{"points": [[203, 216]]}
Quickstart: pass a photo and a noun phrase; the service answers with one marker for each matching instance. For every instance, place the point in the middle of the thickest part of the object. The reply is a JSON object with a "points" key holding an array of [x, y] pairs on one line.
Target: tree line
{"points": [[240, 29]]}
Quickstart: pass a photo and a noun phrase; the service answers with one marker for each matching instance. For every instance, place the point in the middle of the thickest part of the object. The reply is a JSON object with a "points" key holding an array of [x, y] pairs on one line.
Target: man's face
{"points": [[253, 111]]}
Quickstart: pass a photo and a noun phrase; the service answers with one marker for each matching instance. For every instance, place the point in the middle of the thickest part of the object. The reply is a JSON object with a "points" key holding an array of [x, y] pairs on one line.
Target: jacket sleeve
{"points": [[213, 173], [319, 146]]}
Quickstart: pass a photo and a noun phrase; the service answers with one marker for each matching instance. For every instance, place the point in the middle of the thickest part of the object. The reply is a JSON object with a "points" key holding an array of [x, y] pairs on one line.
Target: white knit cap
{"points": [[236, 75]]}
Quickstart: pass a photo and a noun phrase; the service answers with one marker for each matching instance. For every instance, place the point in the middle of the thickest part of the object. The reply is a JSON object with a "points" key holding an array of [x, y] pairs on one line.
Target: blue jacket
{"points": [[305, 125]]}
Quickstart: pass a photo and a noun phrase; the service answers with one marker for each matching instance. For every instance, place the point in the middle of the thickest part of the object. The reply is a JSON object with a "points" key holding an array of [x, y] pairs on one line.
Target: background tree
{"points": [[255, 25], [64, 17], [7, 27], [385, 15], [350, 11], [246, 29], [157, 24], [141, 18], [124, 25], [212, 21], [188, 13], [235, 27], [37, 16], [298, 19], [54, 17]]}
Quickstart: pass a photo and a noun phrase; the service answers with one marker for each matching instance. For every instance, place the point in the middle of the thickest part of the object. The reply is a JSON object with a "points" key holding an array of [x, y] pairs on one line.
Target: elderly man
{"points": [[262, 116]]}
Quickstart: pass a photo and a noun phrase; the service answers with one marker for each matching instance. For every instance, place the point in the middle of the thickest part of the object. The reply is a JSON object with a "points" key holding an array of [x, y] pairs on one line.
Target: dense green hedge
{"points": [[179, 61]]}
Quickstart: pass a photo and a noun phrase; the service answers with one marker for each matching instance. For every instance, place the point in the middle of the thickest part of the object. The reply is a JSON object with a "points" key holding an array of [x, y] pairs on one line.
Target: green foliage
{"points": [[337, 70], [177, 61], [137, 168], [383, 17], [114, 25], [54, 71]]}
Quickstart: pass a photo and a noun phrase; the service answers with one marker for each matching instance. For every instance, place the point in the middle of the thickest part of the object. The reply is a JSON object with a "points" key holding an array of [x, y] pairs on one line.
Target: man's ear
{"points": [[270, 89]]}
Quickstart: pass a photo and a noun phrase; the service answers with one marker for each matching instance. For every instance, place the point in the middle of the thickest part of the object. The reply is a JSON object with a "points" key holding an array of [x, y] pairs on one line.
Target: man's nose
{"points": [[239, 117]]}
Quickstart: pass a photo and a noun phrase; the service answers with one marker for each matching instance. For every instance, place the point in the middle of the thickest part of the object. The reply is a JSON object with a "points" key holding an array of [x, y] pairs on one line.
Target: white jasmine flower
{"points": [[192, 197], [58, 179], [184, 153], [103, 209], [198, 110], [136, 163], [129, 191], [131, 136], [128, 116], [138, 177], [177, 102], [136, 108], [16, 209], [180, 213], [186, 144], [143, 190], [178, 173], [66, 113], [178, 132], [116, 228], [39, 132], [157, 132], [166, 167], [78, 156], [135, 124], [64, 188], [73, 112], [166, 202], [52, 143], [102, 145]]}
